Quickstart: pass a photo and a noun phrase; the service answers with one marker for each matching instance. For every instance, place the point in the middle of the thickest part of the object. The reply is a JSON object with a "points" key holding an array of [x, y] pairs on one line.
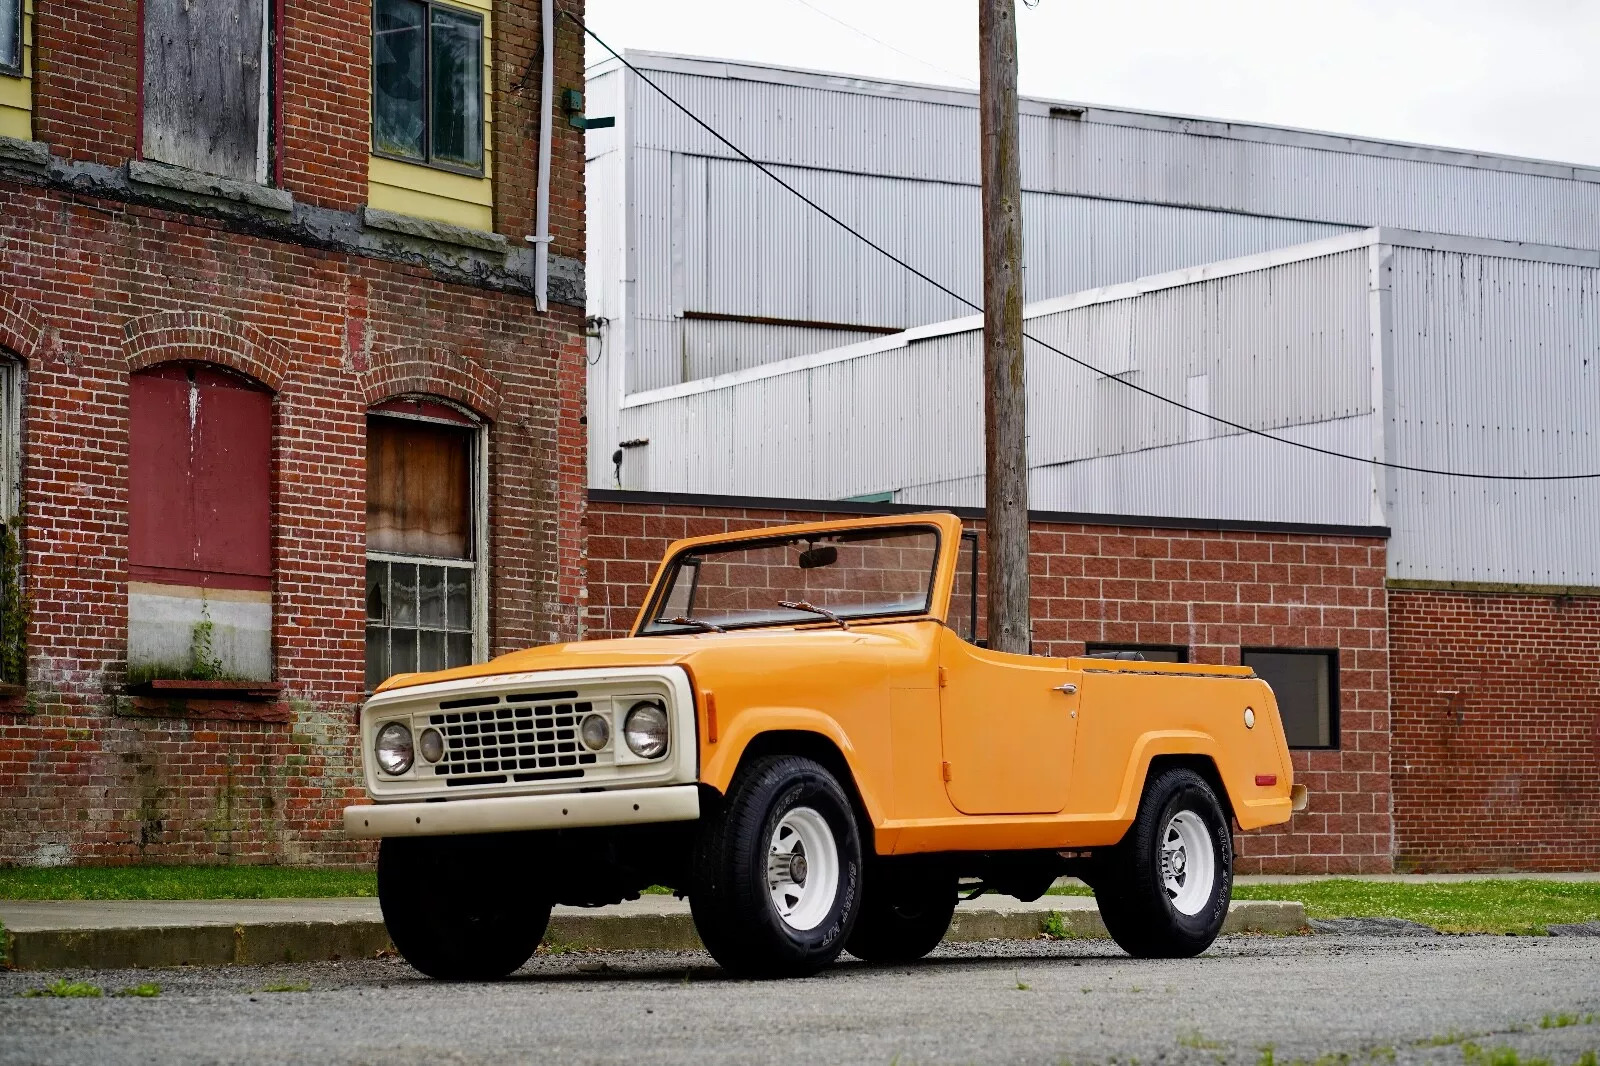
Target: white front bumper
{"points": [[508, 814]]}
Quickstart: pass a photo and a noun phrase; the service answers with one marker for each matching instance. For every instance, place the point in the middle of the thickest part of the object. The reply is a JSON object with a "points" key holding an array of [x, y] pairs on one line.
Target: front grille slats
{"points": [[517, 738]]}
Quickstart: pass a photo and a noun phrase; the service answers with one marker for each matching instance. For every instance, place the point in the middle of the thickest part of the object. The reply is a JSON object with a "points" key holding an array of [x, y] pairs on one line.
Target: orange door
{"points": [[1008, 729]]}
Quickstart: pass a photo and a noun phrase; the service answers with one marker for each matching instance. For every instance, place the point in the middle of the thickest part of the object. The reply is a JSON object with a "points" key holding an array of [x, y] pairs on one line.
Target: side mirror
{"points": [[812, 558]]}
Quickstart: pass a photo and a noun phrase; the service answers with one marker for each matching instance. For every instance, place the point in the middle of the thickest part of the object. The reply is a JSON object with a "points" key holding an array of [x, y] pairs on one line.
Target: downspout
{"points": [[541, 222]]}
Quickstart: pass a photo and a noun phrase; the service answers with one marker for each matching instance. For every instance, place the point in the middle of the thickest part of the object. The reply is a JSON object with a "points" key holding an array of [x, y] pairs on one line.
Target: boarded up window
{"points": [[199, 496], [199, 525], [206, 86], [422, 570]]}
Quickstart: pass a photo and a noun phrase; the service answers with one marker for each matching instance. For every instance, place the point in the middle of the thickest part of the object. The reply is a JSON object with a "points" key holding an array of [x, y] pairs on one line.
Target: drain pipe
{"points": [[541, 222]]}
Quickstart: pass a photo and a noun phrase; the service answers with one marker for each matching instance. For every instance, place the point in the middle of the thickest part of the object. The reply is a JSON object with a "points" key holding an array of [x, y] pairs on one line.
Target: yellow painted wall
{"points": [[423, 192], [16, 94]]}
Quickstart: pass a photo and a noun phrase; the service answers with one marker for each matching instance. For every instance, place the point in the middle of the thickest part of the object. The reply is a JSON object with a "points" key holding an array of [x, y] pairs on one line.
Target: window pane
{"points": [[397, 63], [1302, 683], [377, 592], [430, 650], [377, 656], [458, 585], [419, 488], [403, 594], [402, 651], [457, 88], [459, 649], [11, 34], [431, 593]]}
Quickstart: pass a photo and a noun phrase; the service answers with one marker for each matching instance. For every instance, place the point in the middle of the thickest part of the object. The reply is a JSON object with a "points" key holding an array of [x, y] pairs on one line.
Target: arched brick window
{"points": [[199, 524], [425, 537]]}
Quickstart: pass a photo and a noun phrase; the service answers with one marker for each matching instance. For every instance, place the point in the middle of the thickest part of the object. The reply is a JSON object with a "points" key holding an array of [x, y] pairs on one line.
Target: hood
{"points": [[639, 651]]}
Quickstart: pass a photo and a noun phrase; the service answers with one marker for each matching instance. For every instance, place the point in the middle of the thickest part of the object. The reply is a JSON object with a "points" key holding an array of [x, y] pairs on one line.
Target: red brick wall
{"points": [[1211, 591], [1496, 730], [92, 289]]}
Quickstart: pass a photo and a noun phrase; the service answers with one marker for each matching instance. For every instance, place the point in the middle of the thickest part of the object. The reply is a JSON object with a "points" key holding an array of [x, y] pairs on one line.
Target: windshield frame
{"points": [[648, 625]]}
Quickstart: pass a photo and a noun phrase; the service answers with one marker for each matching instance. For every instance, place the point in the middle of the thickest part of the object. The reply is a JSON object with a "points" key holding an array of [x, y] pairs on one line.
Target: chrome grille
{"points": [[527, 737]]}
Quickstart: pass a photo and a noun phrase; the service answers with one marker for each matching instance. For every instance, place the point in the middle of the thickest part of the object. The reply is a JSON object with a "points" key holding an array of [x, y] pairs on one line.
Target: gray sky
{"points": [[1514, 76]]}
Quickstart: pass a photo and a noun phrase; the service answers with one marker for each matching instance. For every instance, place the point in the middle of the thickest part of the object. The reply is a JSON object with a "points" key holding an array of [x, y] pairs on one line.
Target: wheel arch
{"points": [[820, 748], [1202, 764]]}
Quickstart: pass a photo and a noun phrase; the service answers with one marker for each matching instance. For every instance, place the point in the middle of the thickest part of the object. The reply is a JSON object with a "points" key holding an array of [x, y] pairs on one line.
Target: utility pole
{"points": [[1005, 402]]}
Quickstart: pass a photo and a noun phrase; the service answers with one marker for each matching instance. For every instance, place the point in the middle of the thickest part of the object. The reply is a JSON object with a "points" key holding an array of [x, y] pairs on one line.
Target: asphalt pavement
{"points": [[1326, 1000]]}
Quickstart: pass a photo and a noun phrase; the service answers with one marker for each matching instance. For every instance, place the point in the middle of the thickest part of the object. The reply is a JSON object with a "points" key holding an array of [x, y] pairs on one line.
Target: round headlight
{"points": [[431, 744], [645, 730], [393, 748], [596, 732]]}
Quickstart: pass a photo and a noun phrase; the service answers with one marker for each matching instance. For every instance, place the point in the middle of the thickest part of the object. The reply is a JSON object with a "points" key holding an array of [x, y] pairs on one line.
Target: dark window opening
{"points": [[11, 36], [1306, 684], [427, 84], [1152, 653], [422, 561]]}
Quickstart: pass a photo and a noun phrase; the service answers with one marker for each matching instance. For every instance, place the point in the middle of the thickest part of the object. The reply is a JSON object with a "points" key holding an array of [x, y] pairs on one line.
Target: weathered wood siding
{"points": [[204, 85], [16, 93]]}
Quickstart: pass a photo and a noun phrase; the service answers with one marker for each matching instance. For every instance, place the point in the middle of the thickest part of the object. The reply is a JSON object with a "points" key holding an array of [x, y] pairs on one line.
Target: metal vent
{"points": [[530, 741]]}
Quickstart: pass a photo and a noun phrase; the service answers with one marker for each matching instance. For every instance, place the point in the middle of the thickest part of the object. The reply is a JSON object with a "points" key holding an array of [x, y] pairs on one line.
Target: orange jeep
{"points": [[801, 738]]}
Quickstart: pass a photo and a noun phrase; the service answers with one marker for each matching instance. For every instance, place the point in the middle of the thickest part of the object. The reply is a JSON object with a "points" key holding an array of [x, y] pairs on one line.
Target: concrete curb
{"points": [[612, 929]]}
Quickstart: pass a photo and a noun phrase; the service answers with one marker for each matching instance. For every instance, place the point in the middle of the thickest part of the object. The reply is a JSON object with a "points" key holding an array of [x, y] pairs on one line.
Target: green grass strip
{"points": [[1525, 907], [183, 882]]}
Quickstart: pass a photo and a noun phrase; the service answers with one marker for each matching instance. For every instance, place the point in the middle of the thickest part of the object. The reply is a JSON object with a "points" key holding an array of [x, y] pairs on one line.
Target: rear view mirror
{"points": [[812, 558]]}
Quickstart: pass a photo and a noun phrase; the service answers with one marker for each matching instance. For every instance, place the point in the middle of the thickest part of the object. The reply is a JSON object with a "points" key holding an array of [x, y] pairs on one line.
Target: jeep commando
{"points": [[801, 735]]}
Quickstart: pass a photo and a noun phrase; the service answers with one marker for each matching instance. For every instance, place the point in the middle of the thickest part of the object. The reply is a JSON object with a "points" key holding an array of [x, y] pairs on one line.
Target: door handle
{"points": [[1067, 689]]}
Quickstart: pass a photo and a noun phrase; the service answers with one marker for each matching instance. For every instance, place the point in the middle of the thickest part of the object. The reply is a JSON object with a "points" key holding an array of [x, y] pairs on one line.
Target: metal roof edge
{"points": [[771, 503], [1488, 246], [1173, 122]]}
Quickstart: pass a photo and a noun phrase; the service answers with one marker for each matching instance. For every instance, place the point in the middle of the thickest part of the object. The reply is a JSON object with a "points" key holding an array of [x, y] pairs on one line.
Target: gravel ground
{"points": [[1327, 1000]]}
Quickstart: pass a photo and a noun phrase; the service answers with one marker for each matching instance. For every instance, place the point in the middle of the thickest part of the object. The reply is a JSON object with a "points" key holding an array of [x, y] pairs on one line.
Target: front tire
{"points": [[778, 871], [903, 916], [460, 908], [1166, 889]]}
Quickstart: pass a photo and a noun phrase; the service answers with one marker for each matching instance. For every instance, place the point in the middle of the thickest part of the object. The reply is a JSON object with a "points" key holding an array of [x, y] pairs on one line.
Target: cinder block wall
{"points": [[1496, 730], [1210, 591], [95, 287]]}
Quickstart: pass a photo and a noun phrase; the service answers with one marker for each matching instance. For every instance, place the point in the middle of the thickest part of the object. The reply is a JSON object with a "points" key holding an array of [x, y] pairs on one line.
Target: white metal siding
{"points": [[1497, 370]]}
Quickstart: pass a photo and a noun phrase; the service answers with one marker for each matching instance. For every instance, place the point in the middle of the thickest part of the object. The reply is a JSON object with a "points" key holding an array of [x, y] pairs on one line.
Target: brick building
{"points": [[292, 398]]}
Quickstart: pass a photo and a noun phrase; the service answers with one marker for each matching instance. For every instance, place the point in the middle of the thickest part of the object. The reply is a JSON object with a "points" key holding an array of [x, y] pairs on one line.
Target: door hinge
{"points": [[943, 679], [946, 772]]}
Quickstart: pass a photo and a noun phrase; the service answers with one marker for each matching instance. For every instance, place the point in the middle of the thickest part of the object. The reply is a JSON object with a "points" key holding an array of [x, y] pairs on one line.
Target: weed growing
{"points": [[61, 988], [148, 990], [299, 986]]}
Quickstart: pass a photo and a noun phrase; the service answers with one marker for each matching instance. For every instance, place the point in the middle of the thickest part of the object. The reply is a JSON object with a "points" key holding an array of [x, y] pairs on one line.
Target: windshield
{"points": [[851, 574]]}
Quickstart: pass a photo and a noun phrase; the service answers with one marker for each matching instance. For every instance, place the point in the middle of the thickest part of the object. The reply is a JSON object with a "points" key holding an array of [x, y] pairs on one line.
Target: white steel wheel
{"points": [[802, 869], [1188, 862]]}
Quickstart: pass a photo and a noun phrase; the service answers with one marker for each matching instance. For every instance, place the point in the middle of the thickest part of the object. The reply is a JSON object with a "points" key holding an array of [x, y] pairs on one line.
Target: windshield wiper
{"points": [[802, 605], [697, 623]]}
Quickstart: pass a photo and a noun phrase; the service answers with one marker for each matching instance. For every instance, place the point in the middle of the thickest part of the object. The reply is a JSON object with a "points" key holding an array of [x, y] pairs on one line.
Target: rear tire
{"points": [[777, 879], [903, 915], [1165, 890], [460, 908]]}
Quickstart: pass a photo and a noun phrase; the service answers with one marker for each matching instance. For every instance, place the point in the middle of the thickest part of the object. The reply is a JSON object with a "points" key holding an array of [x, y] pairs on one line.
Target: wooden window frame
{"points": [[479, 487], [427, 160], [1332, 656], [22, 45]]}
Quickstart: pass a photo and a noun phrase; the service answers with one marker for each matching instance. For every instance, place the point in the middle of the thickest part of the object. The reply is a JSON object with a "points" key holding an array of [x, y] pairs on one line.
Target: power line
{"points": [[875, 40], [881, 250]]}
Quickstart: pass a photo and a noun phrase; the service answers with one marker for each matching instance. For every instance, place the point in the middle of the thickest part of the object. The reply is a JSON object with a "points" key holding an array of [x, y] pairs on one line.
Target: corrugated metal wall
{"points": [[1110, 196], [1496, 369], [1285, 347]]}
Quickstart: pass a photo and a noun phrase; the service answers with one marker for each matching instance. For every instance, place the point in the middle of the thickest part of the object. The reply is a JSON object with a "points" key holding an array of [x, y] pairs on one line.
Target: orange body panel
{"points": [[953, 747]]}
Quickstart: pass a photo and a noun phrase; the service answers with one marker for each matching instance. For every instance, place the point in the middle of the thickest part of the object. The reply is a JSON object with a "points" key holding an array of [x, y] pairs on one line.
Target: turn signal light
{"points": [[1266, 780]]}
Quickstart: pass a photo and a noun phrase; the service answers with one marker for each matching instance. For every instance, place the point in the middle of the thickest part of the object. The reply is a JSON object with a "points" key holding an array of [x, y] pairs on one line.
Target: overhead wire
{"points": [[892, 257], [831, 17]]}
